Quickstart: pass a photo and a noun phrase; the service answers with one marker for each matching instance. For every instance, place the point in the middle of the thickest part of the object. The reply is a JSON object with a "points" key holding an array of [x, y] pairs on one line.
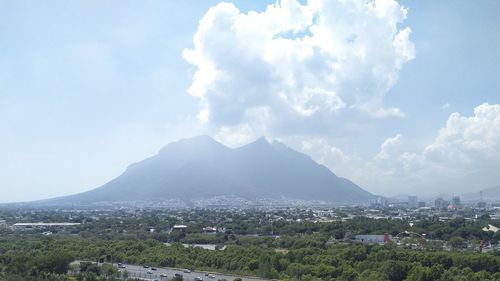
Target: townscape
{"points": [[309, 243]]}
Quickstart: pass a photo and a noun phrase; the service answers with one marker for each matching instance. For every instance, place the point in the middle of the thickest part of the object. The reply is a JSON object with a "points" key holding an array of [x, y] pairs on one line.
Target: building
{"points": [[180, 227], [455, 201], [412, 202], [381, 201], [481, 204], [210, 229], [373, 239], [440, 203], [45, 225]]}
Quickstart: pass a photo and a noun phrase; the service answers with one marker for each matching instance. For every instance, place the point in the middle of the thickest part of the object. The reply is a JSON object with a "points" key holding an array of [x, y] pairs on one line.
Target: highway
{"points": [[138, 271]]}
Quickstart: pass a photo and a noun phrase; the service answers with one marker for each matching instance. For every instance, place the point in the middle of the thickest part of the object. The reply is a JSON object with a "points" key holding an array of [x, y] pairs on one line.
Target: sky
{"points": [[400, 97]]}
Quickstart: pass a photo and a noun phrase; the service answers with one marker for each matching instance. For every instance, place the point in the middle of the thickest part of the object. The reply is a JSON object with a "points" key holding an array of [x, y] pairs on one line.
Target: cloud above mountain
{"points": [[310, 74], [297, 68]]}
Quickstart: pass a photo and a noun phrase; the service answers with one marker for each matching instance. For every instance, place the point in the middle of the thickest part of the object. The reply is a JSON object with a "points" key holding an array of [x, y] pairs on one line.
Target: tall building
{"points": [[440, 203], [382, 201], [481, 204], [455, 201], [412, 202]]}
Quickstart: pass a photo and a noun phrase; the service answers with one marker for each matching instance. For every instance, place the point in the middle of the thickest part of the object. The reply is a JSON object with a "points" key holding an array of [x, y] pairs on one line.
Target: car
{"points": [[145, 266], [198, 279], [211, 276], [121, 266], [206, 273], [153, 268], [163, 275], [178, 275], [187, 270], [149, 272]]}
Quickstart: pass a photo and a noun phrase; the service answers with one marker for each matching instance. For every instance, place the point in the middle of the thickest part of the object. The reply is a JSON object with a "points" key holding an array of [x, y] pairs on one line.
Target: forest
{"points": [[307, 258], [280, 244]]}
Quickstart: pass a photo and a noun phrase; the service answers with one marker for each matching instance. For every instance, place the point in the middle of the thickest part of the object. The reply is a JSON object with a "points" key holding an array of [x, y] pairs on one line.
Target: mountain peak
{"points": [[262, 140], [198, 142], [200, 168], [200, 138], [261, 144]]}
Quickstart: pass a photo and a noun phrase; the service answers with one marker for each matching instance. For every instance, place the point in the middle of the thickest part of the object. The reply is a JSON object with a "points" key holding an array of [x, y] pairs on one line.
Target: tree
{"points": [[395, 270], [125, 274], [370, 275], [109, 270], [56, 262], [457, 242]]}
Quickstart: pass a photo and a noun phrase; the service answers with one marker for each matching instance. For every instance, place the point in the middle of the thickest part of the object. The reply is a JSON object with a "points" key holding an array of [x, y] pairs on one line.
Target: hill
{"points": [[491, 194]]}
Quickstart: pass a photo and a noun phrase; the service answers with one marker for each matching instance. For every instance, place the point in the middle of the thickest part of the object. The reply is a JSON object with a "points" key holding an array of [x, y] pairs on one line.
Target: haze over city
{"points": [[398, 97]]}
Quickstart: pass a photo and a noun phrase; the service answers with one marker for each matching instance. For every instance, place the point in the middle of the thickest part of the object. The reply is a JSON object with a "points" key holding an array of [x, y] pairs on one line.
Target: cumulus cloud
{"points": [[471, 142], [464, 155], [305, 72], [324, 152], [305, 65], [390, 147]]}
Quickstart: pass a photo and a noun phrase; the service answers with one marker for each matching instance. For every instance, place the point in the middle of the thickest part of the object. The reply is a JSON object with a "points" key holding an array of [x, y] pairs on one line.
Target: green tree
{"points": [[370, 275], [109, 270], [125, 274], [457, 242]]}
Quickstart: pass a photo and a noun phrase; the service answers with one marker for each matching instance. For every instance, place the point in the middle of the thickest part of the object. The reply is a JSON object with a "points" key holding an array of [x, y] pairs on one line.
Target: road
{"points": [[138, 271]]}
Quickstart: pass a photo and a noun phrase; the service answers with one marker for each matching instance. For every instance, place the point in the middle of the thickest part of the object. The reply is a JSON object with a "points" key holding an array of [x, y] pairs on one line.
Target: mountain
{"points": [[491, 194], [200, 167]]}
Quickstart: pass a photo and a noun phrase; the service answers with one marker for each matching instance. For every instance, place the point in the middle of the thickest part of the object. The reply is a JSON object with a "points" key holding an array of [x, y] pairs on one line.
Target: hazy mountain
{"points": [[200, 167], [491, 194]]}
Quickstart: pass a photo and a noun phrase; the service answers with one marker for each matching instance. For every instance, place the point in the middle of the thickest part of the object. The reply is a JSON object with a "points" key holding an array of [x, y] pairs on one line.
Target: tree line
{"points": [[48, 258]]}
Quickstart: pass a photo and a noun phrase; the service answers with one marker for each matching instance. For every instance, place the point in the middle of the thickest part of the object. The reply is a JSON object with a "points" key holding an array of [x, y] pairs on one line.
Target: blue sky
{"points": [[88, 87]]}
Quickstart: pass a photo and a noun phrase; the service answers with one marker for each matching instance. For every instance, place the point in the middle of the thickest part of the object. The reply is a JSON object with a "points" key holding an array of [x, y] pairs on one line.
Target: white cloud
{"points": [[390, 147], [445, 106], [327, 154], [308, 65], [463, 157], [304, 73], [468, 141]]}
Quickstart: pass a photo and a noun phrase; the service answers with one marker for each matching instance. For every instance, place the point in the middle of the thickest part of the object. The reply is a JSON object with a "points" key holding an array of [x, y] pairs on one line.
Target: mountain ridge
{"points": [[201, 167]]}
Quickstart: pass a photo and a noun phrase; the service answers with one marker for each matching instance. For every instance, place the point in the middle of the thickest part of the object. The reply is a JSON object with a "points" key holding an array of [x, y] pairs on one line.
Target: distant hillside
{"points": [[491, 194], [200, 167]]}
